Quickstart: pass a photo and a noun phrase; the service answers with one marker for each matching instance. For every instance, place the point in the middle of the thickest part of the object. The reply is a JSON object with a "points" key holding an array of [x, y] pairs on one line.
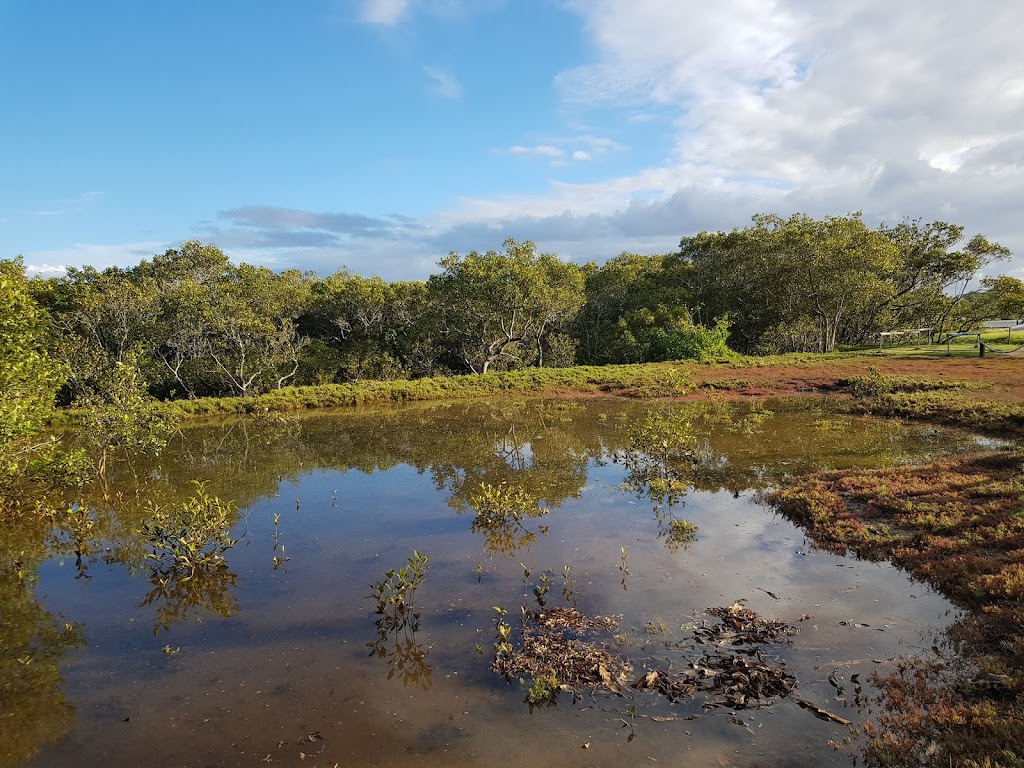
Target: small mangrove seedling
{"points": [[543, 691], [399, 621], [503, 634], [279, 559], [568, 586], [541, 590], [623, 556], [631, 713]]}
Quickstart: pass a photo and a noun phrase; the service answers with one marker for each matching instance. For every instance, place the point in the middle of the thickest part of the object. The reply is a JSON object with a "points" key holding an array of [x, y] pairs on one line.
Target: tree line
{"points": [[194, 324]]}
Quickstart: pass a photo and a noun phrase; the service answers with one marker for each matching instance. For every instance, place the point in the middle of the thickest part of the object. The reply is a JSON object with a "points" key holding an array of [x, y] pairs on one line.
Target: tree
{"points": [[29, 377], [802, 284], [495, 309], [120, 416], [367, 322], [930, 276]]}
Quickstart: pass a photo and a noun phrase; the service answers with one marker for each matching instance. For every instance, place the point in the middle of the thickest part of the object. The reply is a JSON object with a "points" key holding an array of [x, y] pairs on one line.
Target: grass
{"points": [[957, 524], [644, 380]]}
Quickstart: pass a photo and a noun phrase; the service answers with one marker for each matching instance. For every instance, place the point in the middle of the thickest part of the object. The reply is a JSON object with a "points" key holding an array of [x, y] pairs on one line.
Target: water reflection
{"points": [[501, 515], [33, 642], [548, 453]]}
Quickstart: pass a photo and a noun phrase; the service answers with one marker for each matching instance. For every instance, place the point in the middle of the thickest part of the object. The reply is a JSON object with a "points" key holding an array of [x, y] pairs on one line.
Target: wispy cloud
{"points": [[579, 148], [542, 150], [266, 226], [67, 205], [384, 12], [444, 83]]}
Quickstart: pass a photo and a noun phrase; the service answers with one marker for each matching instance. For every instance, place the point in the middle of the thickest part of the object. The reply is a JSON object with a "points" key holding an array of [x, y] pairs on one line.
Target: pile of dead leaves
{"points": [[560, 641], [742, 626], [738, 681]]}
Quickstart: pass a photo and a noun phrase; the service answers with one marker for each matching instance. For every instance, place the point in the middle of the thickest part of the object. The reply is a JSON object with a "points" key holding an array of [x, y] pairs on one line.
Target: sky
{"points": [[380, 135]]}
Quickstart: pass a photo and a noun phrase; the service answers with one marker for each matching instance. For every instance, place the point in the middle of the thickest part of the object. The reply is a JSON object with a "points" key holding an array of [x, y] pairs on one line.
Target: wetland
{"points": [[531, 582]]}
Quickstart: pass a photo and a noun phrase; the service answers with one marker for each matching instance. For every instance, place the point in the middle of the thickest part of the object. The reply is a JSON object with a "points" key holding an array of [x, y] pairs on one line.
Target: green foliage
{"points": [[399, 621], [876, 383], [188, 542], [801, 284], [494, 310], [192, 536], [501, 511], [119, 416], [543, 691], [29, 377]]}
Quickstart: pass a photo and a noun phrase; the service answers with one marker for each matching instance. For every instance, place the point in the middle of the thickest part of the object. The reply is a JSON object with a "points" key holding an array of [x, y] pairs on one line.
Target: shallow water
{"points": [[274, 665]]}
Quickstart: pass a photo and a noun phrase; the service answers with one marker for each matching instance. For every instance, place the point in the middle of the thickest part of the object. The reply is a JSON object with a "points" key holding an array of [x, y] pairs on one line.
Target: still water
{"points": [[267, 660]]}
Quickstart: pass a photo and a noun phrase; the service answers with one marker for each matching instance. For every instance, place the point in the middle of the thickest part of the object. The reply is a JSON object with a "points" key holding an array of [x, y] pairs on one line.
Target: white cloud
{"points": [[543, 150], [445, 83], [556, 148], [911, 109], [45, 270], [384, 12], [92, 254], [787, 105]]}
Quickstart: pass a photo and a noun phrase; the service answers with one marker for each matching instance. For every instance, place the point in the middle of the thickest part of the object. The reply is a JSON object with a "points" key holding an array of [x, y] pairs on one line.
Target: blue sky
{"points": [[382, 134]]}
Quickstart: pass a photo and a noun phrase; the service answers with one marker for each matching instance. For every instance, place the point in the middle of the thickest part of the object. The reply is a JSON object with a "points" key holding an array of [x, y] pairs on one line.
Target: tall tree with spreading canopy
{"points": [[496, 310]]}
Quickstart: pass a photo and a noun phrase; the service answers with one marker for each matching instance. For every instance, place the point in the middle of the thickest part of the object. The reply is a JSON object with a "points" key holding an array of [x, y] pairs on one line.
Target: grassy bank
{"points": [[991, 380], [957, 524]]}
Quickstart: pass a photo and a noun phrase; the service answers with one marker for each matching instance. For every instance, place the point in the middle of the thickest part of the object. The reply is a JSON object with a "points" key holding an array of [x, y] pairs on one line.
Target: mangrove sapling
{"points": [[188, 544], [568, 586], [541, 590], [281, 559], [399, 621], [623, 556], [192, 535]]}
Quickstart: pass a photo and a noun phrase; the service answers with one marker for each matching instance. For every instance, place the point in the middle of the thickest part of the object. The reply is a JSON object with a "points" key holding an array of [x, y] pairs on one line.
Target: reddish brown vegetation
{"points": [[957, 524]]}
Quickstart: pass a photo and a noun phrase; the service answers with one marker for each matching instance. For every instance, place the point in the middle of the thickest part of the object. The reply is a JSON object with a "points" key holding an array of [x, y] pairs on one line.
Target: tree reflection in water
{"points": [[33, 644], [500, 512], [660, 466]]}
